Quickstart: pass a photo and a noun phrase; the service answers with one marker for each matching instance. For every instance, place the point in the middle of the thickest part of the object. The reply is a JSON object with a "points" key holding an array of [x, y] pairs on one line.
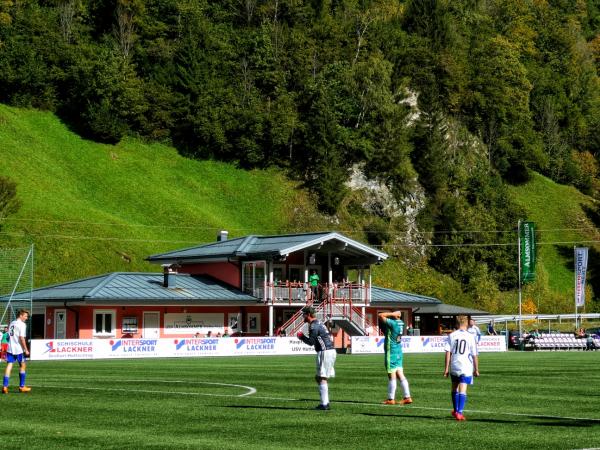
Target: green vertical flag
{"points": [[527, 237]]}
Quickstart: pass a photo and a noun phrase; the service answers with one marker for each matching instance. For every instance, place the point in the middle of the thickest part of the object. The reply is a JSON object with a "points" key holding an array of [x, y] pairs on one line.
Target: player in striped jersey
{"points": [[461, 364], [393, 327], [319, 337]]}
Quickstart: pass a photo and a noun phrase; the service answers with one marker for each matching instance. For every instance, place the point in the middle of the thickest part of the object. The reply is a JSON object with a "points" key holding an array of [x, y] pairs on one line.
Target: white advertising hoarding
{"points": [[65, 349], [422, 344]]}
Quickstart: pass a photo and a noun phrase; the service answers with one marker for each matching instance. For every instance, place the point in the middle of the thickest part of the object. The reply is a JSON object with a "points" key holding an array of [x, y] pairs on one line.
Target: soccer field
{"points": [[521, 400]]}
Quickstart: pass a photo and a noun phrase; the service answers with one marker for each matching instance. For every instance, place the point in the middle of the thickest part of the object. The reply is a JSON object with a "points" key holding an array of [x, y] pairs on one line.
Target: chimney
{"points": [[169, 276], [222, 236]]}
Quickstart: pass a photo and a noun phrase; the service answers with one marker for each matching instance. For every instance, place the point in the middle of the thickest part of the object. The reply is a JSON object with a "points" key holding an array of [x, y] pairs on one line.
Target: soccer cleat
{"points": [[406, 401], [4, 390], [389, 401], [453, 414], [323, 407], [24, 389], [458, 416]]}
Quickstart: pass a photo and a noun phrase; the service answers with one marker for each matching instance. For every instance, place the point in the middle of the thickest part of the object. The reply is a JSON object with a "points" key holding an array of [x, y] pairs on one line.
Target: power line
{"points": [[94, 238], [111, 224], [118, 239], [197, 227], [491, 244]]}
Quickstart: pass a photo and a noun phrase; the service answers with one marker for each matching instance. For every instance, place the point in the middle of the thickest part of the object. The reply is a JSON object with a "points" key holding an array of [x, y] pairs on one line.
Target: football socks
{"points": [[392, 389], [324, 393], [405, 389], [461, 402]]}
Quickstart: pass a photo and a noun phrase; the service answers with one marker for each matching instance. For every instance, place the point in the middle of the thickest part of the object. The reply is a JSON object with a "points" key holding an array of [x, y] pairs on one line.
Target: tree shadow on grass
{"points": [[541, 421], [570, 423], [528, 420], [266, 407], [357, 402], [401, 416]]}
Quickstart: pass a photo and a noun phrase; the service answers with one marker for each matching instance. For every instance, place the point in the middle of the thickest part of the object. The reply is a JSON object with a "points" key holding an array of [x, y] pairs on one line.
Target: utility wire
{"points": [[117, 239], [94, 238], [197, 227]]}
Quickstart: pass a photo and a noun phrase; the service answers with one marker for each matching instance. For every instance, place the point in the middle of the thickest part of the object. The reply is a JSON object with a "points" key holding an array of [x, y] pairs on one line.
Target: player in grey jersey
{"points": [[319, 337]]}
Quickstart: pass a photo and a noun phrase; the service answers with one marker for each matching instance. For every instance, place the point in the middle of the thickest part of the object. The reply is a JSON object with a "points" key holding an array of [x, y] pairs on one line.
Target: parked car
{"points": [[514, 340]]}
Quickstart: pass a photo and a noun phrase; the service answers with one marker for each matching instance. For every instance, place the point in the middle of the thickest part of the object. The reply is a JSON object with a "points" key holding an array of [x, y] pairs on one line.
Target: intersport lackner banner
{"points": [[72, 349]]}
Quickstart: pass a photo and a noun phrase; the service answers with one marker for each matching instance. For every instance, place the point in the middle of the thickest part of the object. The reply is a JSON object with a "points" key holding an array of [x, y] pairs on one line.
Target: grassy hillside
{"points": [[565, 218], [91, 208]]}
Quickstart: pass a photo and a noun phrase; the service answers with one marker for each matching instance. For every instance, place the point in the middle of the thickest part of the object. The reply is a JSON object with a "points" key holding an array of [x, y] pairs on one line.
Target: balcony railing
{"points": [[287, 292]]}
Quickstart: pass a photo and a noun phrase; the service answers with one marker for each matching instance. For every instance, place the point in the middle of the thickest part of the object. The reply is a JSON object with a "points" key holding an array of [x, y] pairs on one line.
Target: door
{"points": [[151, 325], [38, 326], [60, 324]]}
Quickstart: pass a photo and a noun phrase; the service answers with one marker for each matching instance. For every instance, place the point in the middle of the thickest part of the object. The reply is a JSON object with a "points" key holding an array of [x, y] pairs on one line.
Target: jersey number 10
{"points": [[460, 346]]}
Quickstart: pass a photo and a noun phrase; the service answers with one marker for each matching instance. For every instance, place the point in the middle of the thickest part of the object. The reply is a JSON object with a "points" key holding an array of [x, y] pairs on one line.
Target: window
{"points": [[296, 273], [130, 325], [278, 273], [254, 278], [104, 323]]}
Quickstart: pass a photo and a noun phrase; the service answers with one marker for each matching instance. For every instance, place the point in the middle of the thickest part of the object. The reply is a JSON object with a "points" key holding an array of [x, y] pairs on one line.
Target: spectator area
{"points": [[562, 341]]}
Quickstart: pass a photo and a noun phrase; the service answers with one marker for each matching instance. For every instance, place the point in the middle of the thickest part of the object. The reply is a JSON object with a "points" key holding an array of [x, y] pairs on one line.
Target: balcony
{"points": [[298, 293]]}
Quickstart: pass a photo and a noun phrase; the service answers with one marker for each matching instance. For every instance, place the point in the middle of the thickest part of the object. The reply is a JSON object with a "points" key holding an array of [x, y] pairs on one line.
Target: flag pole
{"points": [[519, 265]]}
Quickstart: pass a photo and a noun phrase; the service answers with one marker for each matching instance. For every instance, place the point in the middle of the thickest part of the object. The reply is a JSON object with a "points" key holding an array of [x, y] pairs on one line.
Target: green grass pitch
{"points": [[522, 400]]}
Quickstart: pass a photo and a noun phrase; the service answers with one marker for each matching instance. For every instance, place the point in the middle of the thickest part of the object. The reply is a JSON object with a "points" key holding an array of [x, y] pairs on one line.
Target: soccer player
{"points": [[392, 327], [17, 350], [319, 337], [5, 339], [461, 364], [474, 330]]}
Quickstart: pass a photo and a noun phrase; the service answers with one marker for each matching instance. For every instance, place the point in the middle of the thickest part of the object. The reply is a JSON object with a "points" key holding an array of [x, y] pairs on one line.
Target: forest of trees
{"points": [[317, 87]]}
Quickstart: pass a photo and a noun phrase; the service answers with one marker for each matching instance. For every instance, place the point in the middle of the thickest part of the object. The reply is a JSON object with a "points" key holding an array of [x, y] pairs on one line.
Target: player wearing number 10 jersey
{"points": [[461, 364]]}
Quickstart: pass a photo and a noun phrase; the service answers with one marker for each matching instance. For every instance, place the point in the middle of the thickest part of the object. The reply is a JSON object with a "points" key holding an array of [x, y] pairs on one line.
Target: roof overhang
{"points": [[337, 243], [446, 309], [275, 248]]}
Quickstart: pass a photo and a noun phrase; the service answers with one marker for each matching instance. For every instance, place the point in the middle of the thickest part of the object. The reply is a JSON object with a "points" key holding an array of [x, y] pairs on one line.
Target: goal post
{"points": [[16, 283]]}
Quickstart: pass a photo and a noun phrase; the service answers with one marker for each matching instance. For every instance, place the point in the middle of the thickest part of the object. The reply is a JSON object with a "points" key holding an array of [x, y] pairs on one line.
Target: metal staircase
{"points": [[339, 311]]}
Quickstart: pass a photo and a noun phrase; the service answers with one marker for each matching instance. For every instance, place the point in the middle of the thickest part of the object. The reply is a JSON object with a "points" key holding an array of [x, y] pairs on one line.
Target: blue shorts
{"points": [[20, 358], [462, 379]]}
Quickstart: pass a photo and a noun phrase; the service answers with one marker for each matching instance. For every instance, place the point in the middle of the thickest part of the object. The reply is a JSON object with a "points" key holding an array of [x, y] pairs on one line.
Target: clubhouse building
{"points": [[250, 286]]}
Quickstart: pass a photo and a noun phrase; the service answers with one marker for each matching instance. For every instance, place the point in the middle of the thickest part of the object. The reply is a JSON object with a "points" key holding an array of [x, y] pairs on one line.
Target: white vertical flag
{"points": [[581, 260]]}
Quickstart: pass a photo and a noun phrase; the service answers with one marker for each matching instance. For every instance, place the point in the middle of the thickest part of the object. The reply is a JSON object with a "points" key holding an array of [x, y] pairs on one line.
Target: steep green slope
{"points": [[91, 208], [565, 218]]}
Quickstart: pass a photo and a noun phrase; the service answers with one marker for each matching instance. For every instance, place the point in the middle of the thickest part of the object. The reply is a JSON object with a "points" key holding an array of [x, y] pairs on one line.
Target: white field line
{"points": [[252, 391]]}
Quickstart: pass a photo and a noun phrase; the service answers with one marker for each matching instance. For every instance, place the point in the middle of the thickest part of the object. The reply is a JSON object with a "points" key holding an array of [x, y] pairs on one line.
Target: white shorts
{"points": [[325, 363]]}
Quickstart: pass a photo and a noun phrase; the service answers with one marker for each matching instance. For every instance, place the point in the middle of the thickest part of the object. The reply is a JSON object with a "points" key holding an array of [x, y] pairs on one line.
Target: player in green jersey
{"points": [[393, 327]]}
